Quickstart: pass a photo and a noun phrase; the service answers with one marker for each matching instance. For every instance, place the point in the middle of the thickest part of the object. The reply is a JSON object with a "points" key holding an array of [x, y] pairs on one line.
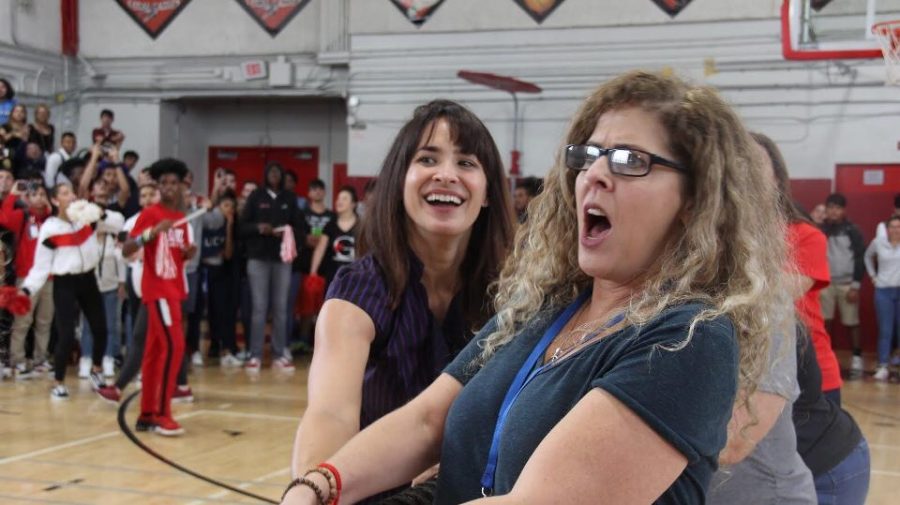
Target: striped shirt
{"points": [[410, 348]]}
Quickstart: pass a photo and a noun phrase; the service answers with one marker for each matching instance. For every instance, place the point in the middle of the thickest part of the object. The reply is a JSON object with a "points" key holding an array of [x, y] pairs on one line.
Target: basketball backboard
{"points": [[833, 29]]}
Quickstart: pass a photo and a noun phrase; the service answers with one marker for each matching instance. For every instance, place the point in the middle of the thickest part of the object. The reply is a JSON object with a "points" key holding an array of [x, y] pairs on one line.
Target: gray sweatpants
{"points": [[270, 283]]}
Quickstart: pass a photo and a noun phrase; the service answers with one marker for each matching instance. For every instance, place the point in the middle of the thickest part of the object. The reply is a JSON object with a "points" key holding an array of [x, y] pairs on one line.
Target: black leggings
{"points": [[71, 293]]}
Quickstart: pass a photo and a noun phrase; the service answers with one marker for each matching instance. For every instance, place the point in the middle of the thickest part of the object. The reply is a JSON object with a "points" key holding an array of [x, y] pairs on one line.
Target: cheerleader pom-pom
{"points": [[13, 301], [84, 212]]}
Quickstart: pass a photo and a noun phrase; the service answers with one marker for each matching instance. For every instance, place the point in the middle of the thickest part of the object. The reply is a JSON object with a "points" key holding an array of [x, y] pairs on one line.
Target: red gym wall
{"points": [[870, 190], [248, 163]]}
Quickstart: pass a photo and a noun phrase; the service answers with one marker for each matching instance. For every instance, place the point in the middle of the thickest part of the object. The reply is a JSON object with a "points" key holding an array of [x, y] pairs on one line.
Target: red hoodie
{"points": [[24, 227]]}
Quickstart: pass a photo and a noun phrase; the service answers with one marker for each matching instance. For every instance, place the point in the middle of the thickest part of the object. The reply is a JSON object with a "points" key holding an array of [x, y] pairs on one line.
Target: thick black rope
{"points": [[131, 436]]}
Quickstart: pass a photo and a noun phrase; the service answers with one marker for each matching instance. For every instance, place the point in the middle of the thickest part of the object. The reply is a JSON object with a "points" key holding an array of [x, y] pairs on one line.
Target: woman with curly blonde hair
{"points": [[635, 304]]}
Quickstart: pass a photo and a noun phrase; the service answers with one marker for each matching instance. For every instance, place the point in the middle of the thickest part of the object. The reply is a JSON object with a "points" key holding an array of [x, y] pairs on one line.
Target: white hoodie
{"points": [[66, 248]]}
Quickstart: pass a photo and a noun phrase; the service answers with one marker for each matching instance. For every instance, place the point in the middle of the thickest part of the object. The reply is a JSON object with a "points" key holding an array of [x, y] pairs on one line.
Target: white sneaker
{"points": [[283, 364], [109, 366], [23, 372], [252, 365], [856, 365], [84, 367], [197, 359], [229, 361], [881, 373], [59, 392]]}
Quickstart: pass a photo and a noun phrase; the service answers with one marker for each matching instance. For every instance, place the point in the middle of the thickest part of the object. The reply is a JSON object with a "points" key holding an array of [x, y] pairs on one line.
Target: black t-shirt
{"points": [[826, 434], [341, 248], [315, 222], [685, 396]]}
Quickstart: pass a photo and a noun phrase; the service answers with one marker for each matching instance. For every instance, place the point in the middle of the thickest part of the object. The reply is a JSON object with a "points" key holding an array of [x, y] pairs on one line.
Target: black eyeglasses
{"points": [[621, 161]]}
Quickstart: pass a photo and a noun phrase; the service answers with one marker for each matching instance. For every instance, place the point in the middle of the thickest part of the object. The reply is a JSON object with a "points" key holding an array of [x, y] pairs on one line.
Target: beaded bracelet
{"points": [[338, 485], [303, 481]]}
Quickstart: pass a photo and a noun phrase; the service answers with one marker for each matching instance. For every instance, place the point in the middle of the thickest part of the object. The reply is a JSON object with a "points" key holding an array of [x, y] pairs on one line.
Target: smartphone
{"points": [[21, 186]]}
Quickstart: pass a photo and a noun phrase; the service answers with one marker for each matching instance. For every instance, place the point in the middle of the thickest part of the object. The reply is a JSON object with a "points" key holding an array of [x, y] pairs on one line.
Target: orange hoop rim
{"points": [[884, 27]]}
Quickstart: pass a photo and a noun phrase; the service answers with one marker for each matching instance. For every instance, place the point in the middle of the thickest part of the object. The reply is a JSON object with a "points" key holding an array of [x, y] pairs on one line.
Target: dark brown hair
{"points": [[786, 203], [384, 233]]}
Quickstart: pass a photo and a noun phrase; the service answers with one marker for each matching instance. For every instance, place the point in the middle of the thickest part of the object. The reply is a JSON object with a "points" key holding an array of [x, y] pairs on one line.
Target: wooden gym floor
{"points": [[240, 431]]}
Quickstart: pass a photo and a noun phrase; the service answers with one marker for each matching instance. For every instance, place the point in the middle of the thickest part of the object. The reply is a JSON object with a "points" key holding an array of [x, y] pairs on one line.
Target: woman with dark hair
{"points": [[267, 213], [828, 439], [17, 130], [429, 249], [338, 247], [7, 100]]}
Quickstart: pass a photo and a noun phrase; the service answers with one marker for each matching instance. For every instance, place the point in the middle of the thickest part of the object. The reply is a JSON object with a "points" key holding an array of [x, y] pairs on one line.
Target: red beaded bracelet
{"points": [[337, 481]]}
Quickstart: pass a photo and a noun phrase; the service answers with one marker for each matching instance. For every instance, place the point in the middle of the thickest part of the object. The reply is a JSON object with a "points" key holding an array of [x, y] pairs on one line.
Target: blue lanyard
{"points": [[523, 377]]}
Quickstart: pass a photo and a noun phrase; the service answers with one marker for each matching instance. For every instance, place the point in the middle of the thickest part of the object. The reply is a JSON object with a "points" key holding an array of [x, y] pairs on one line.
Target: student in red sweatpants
{"points": [[166, 248]]}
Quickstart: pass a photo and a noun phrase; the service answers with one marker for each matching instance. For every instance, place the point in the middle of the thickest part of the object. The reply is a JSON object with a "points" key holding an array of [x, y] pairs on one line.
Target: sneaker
{"points": [[145, 422], [23, 372], [197, 359], [243, 356], [183, 394], [59, 392], [252, 365], [97, 381], [43, 367], [283, 364], [6, 372], [881, 373], [856, 366], [229, 361], [84, 367], [168, 427], [111, 394], [109, 366]]}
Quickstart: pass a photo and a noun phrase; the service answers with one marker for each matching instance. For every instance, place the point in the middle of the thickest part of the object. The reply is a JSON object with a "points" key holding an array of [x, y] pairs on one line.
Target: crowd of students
{"points": [[240, 271], [849, 260]]}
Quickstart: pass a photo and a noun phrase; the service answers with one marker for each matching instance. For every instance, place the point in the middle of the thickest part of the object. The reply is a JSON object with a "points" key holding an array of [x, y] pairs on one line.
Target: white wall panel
{"points": [[204, 27]]}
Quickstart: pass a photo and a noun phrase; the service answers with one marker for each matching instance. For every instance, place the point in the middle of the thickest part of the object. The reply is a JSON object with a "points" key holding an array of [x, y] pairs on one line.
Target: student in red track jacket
{"points": [[166, 248]]}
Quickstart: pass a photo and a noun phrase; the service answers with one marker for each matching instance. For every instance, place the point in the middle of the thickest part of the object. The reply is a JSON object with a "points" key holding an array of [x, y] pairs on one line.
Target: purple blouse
{"points": [[410, 348]]}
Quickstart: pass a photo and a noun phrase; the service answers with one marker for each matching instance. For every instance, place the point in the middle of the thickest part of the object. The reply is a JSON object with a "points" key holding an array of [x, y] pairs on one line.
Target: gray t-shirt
{"points": [[774, 473]]}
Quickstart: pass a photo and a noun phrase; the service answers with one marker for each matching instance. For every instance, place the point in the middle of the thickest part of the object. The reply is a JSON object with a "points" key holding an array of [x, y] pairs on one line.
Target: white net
{"points": [[888, 33]]}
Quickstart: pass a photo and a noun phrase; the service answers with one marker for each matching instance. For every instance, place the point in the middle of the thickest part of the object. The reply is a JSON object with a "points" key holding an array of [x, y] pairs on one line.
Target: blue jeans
{"points": [[270, 284], [887, 308], [296, 277], [113, 341], [848, 482]]}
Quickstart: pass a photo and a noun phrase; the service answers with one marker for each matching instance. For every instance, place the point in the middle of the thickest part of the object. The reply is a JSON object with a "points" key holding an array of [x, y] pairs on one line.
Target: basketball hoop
{"points": [[888, 33]]}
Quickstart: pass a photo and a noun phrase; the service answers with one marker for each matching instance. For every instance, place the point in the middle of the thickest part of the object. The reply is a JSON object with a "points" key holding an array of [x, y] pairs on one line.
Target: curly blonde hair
{"points": [[730, 254]]}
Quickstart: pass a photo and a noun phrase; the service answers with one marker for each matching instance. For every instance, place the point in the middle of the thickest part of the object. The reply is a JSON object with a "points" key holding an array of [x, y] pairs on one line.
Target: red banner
{"points": [[273, 15], [153, 15], [539, 9], [417, 11], [672, 7]]}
